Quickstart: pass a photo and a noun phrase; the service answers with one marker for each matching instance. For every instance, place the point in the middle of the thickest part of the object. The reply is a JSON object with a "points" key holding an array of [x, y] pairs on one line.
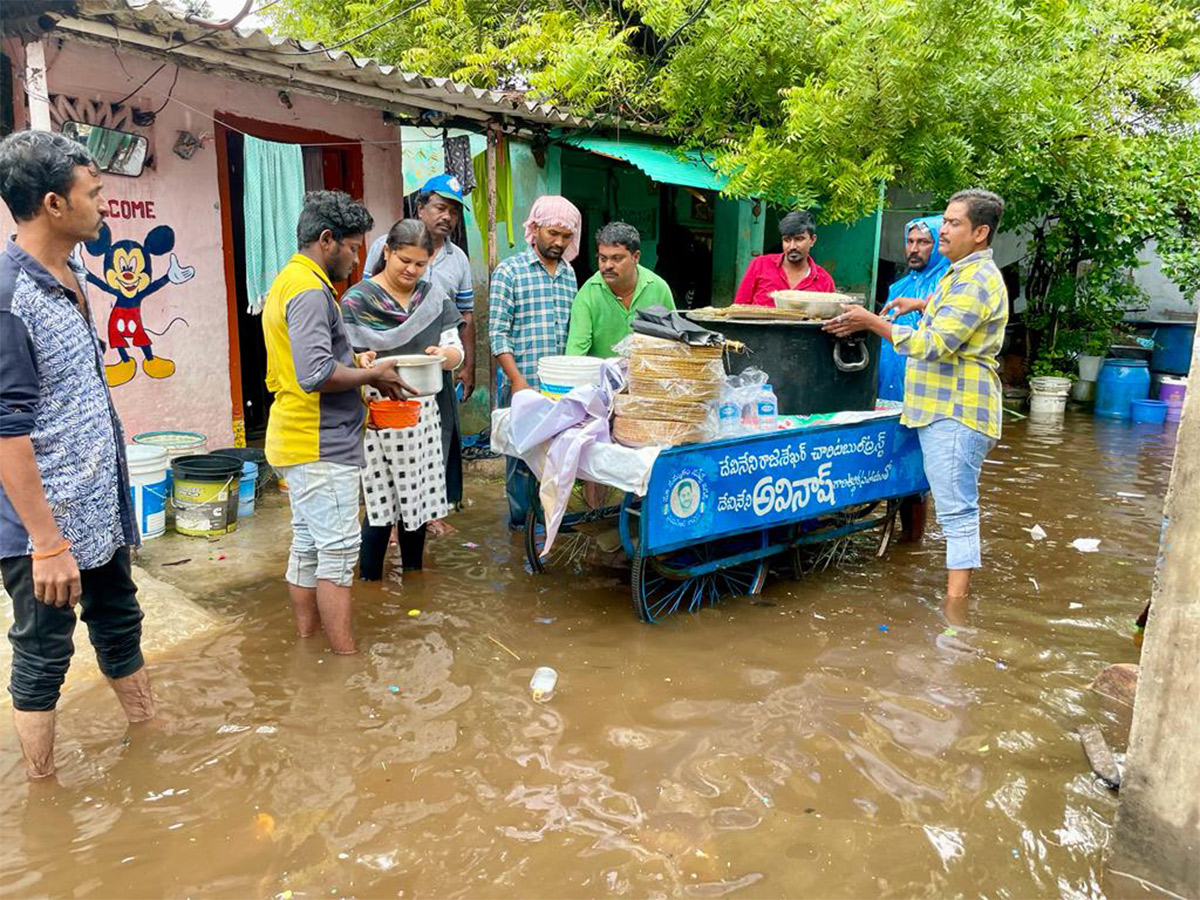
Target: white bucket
{"points": [[1050, 384], [1048, 397], [1047, 406], [148, 489], [570, 370]]}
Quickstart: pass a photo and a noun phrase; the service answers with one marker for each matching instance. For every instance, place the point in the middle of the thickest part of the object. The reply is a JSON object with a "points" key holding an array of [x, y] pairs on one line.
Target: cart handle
{"points": [[862, 363]]}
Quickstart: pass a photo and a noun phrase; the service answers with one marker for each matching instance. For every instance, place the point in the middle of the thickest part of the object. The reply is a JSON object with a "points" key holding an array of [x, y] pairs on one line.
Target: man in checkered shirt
{"points": [[529, 308], [952, 390]]}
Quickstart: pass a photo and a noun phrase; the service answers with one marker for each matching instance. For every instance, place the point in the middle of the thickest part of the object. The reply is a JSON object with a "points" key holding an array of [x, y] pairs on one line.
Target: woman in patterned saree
{"points": [[395, 312]]}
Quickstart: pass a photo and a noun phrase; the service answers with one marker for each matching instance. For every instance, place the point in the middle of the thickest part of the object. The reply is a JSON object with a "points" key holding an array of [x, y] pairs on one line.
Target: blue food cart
{"points": [[713, 514]]}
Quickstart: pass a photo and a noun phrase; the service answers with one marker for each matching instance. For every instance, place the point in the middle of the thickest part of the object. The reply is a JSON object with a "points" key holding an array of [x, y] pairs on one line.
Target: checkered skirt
{"points": [[404, 479]]}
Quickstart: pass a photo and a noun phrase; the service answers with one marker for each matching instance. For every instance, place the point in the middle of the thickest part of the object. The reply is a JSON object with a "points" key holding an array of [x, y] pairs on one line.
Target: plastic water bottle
{"points": [[749, 411], [542, 683], [768, 409], [729, 414]]}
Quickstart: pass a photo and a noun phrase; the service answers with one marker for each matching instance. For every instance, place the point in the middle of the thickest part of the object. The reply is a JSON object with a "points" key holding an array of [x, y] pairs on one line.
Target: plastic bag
{"points": [[677, 368], [644, 345], [681, 389], [658, 433], [634, 407]]}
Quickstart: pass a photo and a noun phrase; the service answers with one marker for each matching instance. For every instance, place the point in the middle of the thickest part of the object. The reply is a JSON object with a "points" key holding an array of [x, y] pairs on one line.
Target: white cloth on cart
{"points": [[624, 468]]}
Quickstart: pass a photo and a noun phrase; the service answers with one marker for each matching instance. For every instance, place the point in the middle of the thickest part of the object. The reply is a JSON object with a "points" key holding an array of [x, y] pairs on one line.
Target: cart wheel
{"points": [[657, 593], [589, 503]]}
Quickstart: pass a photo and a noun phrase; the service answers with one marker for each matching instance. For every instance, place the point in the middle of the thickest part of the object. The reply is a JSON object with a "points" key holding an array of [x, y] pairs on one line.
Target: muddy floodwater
{"points": [[833, 738]]}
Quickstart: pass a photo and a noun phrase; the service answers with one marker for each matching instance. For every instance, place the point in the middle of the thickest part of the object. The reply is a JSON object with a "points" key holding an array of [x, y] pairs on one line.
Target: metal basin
{"points": [[422, 373]]}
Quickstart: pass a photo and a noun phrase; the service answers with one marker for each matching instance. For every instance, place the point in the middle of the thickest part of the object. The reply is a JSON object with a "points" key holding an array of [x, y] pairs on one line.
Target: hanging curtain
{"points": [[273, 177], [314, 169]]}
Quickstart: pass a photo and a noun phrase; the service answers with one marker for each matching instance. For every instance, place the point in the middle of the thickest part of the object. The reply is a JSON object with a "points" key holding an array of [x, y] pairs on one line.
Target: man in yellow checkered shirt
{"points": [[952, 391]]}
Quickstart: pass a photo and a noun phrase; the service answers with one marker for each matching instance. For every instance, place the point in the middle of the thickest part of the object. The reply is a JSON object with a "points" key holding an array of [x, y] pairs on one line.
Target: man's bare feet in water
{"points": [[440, 528]]}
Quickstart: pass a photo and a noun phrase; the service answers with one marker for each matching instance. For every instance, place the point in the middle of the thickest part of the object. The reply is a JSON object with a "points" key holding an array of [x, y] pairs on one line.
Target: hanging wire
{"points": [[170, 91], [227, 126]]}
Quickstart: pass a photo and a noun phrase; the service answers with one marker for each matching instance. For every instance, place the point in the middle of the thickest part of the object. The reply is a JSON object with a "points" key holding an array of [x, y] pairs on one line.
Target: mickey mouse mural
{"points": [[128, 275]]}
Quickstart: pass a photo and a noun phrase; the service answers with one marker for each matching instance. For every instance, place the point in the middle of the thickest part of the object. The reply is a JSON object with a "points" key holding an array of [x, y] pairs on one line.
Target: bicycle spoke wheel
{"points": [[659, 589]]}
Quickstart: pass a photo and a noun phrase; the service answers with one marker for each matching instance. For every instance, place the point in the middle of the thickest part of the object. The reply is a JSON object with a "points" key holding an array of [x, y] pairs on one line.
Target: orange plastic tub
{"points": [[394, 413]]}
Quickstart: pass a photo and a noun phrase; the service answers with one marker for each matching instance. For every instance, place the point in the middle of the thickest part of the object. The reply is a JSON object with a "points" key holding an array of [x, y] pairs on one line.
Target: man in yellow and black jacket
{"points": [[315, 429]]}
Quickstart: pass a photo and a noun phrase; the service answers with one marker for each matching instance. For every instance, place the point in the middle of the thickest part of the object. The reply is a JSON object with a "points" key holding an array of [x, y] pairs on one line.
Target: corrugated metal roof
{"points": [[154, 28], [660, 162]]}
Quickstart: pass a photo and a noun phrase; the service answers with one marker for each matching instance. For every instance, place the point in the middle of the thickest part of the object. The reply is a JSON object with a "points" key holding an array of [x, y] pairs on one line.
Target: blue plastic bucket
{"points": [[1149, 412], [1121, 382], [246, 490]]}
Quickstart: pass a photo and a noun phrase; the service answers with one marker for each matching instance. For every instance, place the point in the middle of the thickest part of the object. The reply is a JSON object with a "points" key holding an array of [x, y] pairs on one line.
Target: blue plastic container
{"points": [[1173, 348], [1121, 382], [1148, 412]]}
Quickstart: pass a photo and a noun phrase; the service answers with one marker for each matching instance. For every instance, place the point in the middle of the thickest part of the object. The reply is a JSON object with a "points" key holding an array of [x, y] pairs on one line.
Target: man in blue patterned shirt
{"points": [[529, 308], [65, 520]]}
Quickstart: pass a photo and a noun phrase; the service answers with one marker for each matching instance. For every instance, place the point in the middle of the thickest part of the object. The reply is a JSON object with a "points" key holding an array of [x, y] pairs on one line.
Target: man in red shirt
{"points": [[793, 269]]}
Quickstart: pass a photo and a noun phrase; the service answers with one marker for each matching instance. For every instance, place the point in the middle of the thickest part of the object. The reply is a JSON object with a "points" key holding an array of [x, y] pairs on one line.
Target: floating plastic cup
{"points": [[542, 684]]}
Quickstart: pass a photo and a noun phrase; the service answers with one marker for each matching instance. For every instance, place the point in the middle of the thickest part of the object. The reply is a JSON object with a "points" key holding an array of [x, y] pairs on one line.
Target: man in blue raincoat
{"points": [[907, 297]]}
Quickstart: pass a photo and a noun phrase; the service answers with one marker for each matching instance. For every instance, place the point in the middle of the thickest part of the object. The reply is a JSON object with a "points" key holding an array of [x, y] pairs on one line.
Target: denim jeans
{"points": [[519, 483], [954, 455], [325, 529], [518, 486]]}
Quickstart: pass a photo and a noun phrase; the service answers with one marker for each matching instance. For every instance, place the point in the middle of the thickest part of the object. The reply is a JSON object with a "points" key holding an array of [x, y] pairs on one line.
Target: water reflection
{"points": [[791, 749]]}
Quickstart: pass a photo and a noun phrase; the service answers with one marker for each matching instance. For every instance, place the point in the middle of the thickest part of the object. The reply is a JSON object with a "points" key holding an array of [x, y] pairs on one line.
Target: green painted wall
{"points": [[737, 239]]}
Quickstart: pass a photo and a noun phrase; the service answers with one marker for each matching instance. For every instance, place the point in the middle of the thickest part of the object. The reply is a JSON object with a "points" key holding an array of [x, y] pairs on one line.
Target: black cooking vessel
{"points": [[811, 371]]}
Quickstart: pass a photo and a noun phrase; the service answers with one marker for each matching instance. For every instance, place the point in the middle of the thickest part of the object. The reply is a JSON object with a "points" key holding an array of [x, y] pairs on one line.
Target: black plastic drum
{"points": [[811, 371]]}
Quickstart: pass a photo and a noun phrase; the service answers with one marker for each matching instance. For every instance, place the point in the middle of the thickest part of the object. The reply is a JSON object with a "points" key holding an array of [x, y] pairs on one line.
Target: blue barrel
{"points": [[1173, 348], [1121, 382]]}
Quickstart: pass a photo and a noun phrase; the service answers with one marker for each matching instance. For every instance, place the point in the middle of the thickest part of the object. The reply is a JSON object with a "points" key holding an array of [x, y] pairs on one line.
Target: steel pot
{"points": [[421, 373]]}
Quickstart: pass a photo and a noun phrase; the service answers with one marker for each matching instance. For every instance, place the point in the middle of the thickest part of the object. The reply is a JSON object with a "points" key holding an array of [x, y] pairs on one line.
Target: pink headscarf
{"points": [[560, 212]]}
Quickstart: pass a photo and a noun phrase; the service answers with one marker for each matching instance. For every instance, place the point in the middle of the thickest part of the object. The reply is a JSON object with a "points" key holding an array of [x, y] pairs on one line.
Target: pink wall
{"points": [[183, 195]]}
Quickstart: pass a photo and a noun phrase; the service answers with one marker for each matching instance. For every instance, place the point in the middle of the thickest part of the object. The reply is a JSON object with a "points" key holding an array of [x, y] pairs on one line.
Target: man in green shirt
{"points": [[603, 310]]}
